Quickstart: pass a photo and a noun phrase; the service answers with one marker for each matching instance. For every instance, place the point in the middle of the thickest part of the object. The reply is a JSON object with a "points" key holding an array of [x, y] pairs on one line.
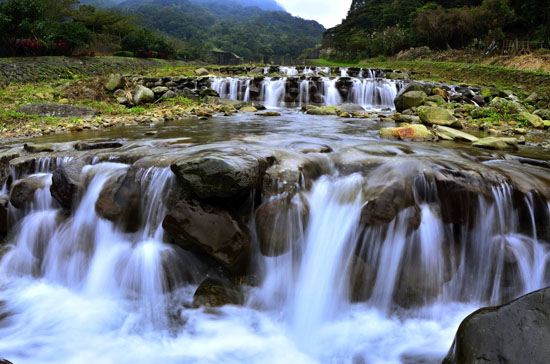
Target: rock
{"points": [[202, 72], [123, 101], [351, 108], [507, 106], [168, 95], [93, 144], [410, 99], [409, 119], [279, 223], [66, 182], [516, 332], [151, 132], [438, 100], [397, 76], [532, 99], [160, 90], [248, 109], [215, 293], [4, 213], [533, 121], [546, 124], [270, 113], [308, 147], [203, 113], [452, 134], [57, 110], [436, 116], [115, 82], [510, 144], [38, 148], [440, 92], [23, 190], [543, 114], [120, 201], [416, 131], [221, 175], [324, 110], [211, 230], [209, 92], [143, 95]]}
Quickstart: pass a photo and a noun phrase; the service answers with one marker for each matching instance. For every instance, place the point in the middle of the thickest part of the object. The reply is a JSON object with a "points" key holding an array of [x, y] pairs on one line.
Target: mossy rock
{"points": [[409, 100], [417, 132], [436, 116], [531, 120], [494, 143]]}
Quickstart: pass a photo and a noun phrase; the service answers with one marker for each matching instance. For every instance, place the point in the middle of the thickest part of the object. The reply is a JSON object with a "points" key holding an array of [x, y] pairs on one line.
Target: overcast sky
{"points": [[327, 12]]}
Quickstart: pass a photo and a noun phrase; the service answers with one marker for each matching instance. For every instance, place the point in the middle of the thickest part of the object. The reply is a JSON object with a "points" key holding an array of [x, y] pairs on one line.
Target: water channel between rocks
{"points": [[358, 249]]}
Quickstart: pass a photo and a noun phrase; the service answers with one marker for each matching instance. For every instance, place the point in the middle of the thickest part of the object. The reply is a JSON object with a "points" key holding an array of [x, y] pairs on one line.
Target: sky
{"points": [[327, 12]]}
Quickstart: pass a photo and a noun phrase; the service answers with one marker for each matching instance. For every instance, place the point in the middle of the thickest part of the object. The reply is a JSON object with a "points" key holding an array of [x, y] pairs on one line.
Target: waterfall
{"points": [[373, 94], [273, 92], [304, 93], [331, 93], [231, 87], [344, 72]]}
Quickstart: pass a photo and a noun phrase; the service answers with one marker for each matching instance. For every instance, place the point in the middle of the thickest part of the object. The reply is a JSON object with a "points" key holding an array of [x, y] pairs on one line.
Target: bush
{"points": [[123, 54]]}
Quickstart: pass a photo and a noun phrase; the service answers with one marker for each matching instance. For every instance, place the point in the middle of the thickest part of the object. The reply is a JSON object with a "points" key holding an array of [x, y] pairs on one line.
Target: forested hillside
{"points": [[384, 27], [228, 25]]}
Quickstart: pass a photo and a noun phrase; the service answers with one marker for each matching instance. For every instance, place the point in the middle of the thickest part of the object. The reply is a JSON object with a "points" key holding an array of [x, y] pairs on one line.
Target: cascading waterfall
{"points": [[332, 95], [373, 93], [231, 88], [304, 93], [273, 92]]}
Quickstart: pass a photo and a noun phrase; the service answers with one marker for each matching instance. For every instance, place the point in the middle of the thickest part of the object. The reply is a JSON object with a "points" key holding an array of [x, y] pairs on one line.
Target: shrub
{"points": [[123, 54]]}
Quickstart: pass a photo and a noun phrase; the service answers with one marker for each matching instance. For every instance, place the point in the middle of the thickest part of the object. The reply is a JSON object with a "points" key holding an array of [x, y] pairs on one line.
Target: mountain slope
{"points": [[228, 25]]}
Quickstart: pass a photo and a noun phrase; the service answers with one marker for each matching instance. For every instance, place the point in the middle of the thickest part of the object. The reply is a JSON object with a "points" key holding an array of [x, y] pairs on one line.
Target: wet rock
{"points": [[4, 205], [351, 108], [516, 332], [270, 113], [280, 222], [362, 277], [409, 119], [417, 132], [215, 293], [221, 175], [436, 116], [446, 133], [410, 99], [120, 201], [115, 82], [143, 95], [248, 109], [98, 144], [324, 110], [38, 148], [57, 110], [307, 147], [66, 182], [386, 201], [531, 120], [202, 72], [210, 230], [23, 190], [508, 144]]}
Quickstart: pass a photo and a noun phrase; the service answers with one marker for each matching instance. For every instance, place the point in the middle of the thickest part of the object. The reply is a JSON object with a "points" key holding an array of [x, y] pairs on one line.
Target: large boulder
{"points": [[101, 143], [509, 144], [57, 110], [66, 182], [436, 116], [324, 110], [120, 201], [221, 175], [447, 133], [209, 92], [23, 190], [410, 99], [210, 230], [417, 132], [143, 95], [216, 293], [516, 332], [279, 223], [115, 82]]}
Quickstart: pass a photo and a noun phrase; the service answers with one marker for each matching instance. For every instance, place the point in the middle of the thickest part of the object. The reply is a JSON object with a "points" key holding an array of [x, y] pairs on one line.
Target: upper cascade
{"points": [[301, 86]]}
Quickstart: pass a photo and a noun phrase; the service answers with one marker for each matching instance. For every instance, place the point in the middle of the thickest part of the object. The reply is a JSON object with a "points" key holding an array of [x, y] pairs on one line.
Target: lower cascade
{"points": [[264, 250]]}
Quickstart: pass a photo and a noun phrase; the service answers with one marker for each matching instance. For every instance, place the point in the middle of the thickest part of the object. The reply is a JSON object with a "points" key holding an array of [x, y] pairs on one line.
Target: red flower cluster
{"points": [[27, 45]]}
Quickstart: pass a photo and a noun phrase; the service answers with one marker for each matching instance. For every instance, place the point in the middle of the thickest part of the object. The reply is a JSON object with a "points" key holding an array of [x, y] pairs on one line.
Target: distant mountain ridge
{"points": [[249, 28]]}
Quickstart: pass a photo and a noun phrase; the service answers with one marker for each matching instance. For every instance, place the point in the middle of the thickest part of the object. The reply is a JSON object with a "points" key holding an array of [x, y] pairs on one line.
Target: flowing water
{"points": [[75, 288]]}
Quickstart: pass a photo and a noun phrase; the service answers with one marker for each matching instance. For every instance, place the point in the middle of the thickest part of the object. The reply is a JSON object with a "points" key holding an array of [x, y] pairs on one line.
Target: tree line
{"points": [[385, 27]]}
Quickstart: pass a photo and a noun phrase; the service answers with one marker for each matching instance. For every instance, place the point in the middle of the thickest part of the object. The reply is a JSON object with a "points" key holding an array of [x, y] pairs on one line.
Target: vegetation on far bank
{"points": [[385, 27]]}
